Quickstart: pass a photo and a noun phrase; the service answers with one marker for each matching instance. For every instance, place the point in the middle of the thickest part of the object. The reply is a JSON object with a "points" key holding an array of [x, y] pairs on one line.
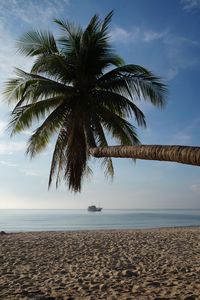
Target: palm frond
{"points": [[36, 43], [102, 142], [76, 154], [120, 129], [70, 41], [59, 159], [106, 22], [70, 155], [96, 47], [33, 87], [110, 58], [42, 135], [69, 27], [89, 132], [54, 65], [135, 82], [88, 172], [119, 104], [23, 117], [93, 26]]}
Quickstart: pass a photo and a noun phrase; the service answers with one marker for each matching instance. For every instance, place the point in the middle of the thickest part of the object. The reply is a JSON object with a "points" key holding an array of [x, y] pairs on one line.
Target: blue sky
{"points": [[160, 35]]}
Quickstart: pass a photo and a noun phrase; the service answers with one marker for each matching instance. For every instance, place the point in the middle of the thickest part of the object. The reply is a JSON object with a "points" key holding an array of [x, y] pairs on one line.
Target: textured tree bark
{"points": [[175, 153]]}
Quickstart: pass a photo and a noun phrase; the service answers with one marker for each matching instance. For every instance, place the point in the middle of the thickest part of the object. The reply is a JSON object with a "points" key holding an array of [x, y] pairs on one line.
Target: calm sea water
{"points": [[64, 220]]}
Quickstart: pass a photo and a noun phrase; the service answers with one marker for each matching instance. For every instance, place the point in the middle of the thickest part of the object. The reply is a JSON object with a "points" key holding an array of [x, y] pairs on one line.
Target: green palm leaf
{"points": [[120, 105], [42, 135], [59, 159], [23, 117], [121, 129], [102, 142], [54, 65], [36, 43], [136, 82], [32, 87]]}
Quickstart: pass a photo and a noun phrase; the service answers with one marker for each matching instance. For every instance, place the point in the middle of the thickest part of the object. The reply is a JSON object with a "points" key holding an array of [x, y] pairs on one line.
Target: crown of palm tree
{"points": [[70, 92]]}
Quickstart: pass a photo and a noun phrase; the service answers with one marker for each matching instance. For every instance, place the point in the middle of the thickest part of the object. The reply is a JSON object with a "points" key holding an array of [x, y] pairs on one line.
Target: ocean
{"points": [[69, 220]]}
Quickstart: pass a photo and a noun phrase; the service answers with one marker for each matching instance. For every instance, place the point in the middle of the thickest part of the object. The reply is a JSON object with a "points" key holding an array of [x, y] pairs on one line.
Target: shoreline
{"points": [[101, 264], [102, 230]]}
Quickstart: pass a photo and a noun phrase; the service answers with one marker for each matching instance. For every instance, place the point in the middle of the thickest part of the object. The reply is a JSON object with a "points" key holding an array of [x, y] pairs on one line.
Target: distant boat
{"points": [[93, 208]]}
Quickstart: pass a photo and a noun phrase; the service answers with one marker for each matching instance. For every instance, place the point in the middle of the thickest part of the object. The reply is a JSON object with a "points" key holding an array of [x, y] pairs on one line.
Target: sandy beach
{"points": [[126, 264]]}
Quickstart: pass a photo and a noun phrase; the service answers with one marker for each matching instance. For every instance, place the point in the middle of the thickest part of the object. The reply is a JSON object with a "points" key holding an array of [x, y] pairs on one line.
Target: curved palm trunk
{"points": [[181, 154]]}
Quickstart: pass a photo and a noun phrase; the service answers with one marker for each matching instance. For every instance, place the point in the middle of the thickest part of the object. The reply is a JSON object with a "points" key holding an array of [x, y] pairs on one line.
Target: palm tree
{"points": [[80, 90]]}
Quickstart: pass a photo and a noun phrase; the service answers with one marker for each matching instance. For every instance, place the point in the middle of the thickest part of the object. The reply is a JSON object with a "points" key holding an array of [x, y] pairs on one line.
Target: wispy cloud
{"points": [[9, 148], [119, 34], [186, 134], [8, 54], [32, 11], [190, 5], [151, 35], [182, 53], [27, 172], [182, 138], [37, 14], [196, 188], [8, 163], [178, 52], [30, 172]]}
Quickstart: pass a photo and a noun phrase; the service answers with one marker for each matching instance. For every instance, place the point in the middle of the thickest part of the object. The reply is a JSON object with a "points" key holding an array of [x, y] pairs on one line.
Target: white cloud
{"points": [[179, 52], [29, 172], [171, 73], [23, 12], [196, 188], [31, 12], [8, 55], [8, 163], [9, 148], [150, 35], [182, 53], [186, 134], [190, 5], [182, 138], [122, 35]]}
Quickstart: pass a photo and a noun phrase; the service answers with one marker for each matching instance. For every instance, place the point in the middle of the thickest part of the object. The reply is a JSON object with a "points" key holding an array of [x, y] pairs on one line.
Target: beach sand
{"points": [[125, 264]]}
